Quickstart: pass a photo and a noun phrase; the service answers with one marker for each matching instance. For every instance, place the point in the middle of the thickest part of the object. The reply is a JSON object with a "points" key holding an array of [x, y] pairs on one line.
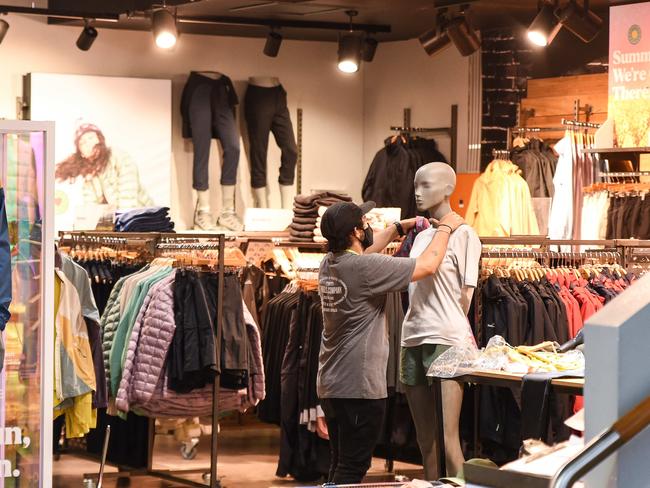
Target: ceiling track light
{"points": [[463, 35], [87, 36], [272, 45], [350, 49], [163, 24], [4, 27], [544, 26], [369, 49], [580, 21]]}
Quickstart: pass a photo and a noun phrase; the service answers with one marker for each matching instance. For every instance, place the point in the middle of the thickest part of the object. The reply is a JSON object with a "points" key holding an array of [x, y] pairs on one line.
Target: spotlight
{"points": [[369, 49], [434, 40], [87, 37], [463, 35], [580, 21], [164, 28], [544, 27], [4, 27], [272, 46], [349, 53]]}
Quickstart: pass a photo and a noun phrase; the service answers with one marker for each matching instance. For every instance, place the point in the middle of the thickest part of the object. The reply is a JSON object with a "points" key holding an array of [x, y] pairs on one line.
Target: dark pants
{"points": [[354, 427], [211, 114], [266, 111]]}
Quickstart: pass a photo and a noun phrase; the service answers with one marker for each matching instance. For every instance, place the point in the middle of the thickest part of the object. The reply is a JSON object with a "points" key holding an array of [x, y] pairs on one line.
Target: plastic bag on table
{"points": [[457, 360]]}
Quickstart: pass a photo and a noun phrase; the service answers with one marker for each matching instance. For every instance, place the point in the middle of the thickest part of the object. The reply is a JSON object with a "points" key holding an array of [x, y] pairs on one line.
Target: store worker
{"points": [[353, 282]]}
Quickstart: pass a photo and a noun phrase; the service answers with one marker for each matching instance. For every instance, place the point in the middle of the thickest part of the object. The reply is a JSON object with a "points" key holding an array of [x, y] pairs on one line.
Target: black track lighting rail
{"points": [[56, 14], [60, 14]]}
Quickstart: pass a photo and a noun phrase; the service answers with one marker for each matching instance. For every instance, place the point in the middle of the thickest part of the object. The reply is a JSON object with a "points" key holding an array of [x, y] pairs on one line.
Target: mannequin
{"points": [[208, 108], [436, 320], [266, 111]]}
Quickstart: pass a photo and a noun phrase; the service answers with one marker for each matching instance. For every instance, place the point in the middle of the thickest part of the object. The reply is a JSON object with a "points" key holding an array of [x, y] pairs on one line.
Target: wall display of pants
{"points": [[265, 109], [208, 110]]}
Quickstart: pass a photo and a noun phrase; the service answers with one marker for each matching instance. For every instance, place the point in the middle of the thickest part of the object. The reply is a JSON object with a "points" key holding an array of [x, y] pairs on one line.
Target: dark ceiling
{"points": [[323, 20], [406, 19]]}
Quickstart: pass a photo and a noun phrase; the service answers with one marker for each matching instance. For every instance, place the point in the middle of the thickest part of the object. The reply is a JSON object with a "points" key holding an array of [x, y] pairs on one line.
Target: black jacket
{"points": [[389, 181]]}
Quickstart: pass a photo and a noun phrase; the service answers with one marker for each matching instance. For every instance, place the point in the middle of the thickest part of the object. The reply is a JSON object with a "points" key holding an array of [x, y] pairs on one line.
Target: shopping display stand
{"points": [[152, 242]]}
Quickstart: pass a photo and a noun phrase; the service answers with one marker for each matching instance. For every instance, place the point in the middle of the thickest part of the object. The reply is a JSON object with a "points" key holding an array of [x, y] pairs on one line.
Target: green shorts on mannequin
{"points": [[415, 362]]}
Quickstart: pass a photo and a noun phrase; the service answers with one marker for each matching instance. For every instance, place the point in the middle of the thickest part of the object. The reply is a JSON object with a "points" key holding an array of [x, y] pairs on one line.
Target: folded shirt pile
{"points": [[149, 219], [305, 213], [318, 235]]}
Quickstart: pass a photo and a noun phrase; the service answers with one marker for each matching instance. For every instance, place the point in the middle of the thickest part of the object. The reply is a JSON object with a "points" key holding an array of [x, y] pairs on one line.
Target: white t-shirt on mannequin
{"points": [[435, 314]]}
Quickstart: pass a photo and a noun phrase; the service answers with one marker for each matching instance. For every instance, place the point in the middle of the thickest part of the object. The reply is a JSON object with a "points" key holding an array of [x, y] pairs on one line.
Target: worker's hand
{"points": [[408, 224], [453, 220]]}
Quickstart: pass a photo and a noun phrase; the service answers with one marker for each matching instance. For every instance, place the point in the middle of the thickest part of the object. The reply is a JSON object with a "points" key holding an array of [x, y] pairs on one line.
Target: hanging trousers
{"points": [[211, 115], [266, 111], [354, 426]]}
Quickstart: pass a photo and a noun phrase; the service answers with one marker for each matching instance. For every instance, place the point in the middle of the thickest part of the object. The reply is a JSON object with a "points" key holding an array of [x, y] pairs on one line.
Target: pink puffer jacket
{"points": [[143, 387]]}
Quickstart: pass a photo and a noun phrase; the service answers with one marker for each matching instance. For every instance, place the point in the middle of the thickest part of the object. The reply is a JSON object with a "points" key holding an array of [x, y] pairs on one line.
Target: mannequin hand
{"points": [[453, 220]]}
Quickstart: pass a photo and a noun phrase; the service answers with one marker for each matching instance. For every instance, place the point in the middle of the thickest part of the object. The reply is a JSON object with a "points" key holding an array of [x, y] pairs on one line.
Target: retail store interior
{"points": [[169, 172]]}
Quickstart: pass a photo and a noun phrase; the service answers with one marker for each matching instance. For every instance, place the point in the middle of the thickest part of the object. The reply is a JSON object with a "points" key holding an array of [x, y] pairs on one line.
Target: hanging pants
{"points": [[266, 111], [211, 114]]}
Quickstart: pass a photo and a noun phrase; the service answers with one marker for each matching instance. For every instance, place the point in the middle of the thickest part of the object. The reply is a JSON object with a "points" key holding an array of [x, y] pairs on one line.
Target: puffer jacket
{"points": [[109, 321], [143, 387], [123, 394]]}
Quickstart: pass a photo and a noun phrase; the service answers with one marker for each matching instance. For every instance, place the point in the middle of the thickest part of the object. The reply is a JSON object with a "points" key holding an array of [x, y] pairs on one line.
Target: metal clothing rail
{"points": [[582, 125], [161, 241], [451, 131]]}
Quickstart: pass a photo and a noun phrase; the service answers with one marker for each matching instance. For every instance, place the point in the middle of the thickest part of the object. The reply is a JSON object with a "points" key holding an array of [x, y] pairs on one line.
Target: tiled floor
{"points": [[247, 459]]}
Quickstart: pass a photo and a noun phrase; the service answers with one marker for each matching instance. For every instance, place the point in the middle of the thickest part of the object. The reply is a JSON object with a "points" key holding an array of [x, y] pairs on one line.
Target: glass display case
{"points": [[26, 390]]}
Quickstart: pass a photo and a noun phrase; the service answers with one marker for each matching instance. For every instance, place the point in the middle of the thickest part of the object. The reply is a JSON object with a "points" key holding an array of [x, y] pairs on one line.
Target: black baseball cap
{"points": [[341, 218]]}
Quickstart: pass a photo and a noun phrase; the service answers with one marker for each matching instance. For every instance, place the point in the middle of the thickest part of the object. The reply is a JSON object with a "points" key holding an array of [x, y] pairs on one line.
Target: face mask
{"points": [[368, 238]]}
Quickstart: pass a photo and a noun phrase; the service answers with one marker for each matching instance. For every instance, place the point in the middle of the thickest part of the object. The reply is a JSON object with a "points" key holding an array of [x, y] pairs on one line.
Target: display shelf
{"points": [[617, 150]]}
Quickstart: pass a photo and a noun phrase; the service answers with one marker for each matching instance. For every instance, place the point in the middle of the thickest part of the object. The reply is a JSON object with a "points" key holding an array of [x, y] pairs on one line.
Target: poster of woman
{"points": [[113, 143]]}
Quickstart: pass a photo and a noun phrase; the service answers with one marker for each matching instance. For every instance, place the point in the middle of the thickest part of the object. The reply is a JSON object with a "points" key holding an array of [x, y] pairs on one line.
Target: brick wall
{"points": [[506, 62]]}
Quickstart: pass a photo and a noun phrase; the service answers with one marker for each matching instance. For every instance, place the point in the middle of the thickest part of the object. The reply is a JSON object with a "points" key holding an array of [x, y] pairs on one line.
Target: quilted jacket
{"points": [[143, 386], [109, 321]]}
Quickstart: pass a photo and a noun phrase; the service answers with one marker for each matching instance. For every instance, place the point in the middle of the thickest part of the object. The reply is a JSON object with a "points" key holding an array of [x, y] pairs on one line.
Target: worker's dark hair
{"points": [[341, 243]]}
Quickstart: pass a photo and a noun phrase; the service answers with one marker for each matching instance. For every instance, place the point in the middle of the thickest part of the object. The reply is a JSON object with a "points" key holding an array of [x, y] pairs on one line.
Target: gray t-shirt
{"points": [[354, 347]]}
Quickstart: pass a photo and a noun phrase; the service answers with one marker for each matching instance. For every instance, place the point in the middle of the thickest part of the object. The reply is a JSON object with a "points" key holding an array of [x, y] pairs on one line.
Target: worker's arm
{"points": [[427, 263], [384, 237]]}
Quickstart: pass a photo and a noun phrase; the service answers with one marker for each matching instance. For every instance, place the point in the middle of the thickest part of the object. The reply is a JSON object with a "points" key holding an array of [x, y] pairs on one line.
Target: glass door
{"points": [[26, 341]]}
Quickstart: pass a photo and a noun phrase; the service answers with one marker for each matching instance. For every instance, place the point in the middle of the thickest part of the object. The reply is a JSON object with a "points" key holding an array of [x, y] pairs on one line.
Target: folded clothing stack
{"points": [[149, 219], [318, 235], [305, 213]]}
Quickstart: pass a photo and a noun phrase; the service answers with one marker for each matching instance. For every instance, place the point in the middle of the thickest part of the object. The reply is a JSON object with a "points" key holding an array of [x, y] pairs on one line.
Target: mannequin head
{"points": [[434, 184]]}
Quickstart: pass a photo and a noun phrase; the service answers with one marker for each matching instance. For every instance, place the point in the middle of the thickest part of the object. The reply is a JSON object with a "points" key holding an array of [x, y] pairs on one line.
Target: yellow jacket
{"points": [[500, 204]]}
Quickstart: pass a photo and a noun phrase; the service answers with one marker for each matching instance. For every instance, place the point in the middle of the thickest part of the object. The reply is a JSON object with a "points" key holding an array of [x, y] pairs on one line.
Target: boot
{"points": [[202, 216], [286, 196], [228, 218], [260, 197]]}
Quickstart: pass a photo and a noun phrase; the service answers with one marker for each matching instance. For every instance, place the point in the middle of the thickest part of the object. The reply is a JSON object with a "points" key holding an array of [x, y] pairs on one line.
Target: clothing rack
{"points": [[156, 241], [582, 125], [451, 131], [548, 255], [623, 174], [501, 154]]}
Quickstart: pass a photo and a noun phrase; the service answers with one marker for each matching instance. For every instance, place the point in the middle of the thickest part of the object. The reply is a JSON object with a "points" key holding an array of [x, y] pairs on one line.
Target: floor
{"points": [[247, 459]]}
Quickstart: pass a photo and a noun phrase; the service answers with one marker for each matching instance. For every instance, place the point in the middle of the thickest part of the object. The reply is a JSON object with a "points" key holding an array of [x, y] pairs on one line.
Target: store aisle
{"points": [[247, 459]]}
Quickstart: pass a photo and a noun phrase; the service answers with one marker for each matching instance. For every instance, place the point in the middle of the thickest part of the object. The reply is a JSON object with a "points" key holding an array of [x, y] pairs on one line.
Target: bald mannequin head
{"points": [[434, 184]]}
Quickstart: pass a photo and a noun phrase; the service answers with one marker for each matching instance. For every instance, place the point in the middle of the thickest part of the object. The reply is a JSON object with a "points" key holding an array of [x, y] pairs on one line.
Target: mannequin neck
{"points": [[441, 210]]}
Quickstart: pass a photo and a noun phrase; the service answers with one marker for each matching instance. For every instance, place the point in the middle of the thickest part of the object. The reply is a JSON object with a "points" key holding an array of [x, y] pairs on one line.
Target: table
{"points": [[571, 386]]}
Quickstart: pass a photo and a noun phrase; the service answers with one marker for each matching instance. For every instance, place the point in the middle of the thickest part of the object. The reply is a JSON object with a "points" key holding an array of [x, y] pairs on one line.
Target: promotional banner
{"points": [[629, 74], [113, 143]]}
